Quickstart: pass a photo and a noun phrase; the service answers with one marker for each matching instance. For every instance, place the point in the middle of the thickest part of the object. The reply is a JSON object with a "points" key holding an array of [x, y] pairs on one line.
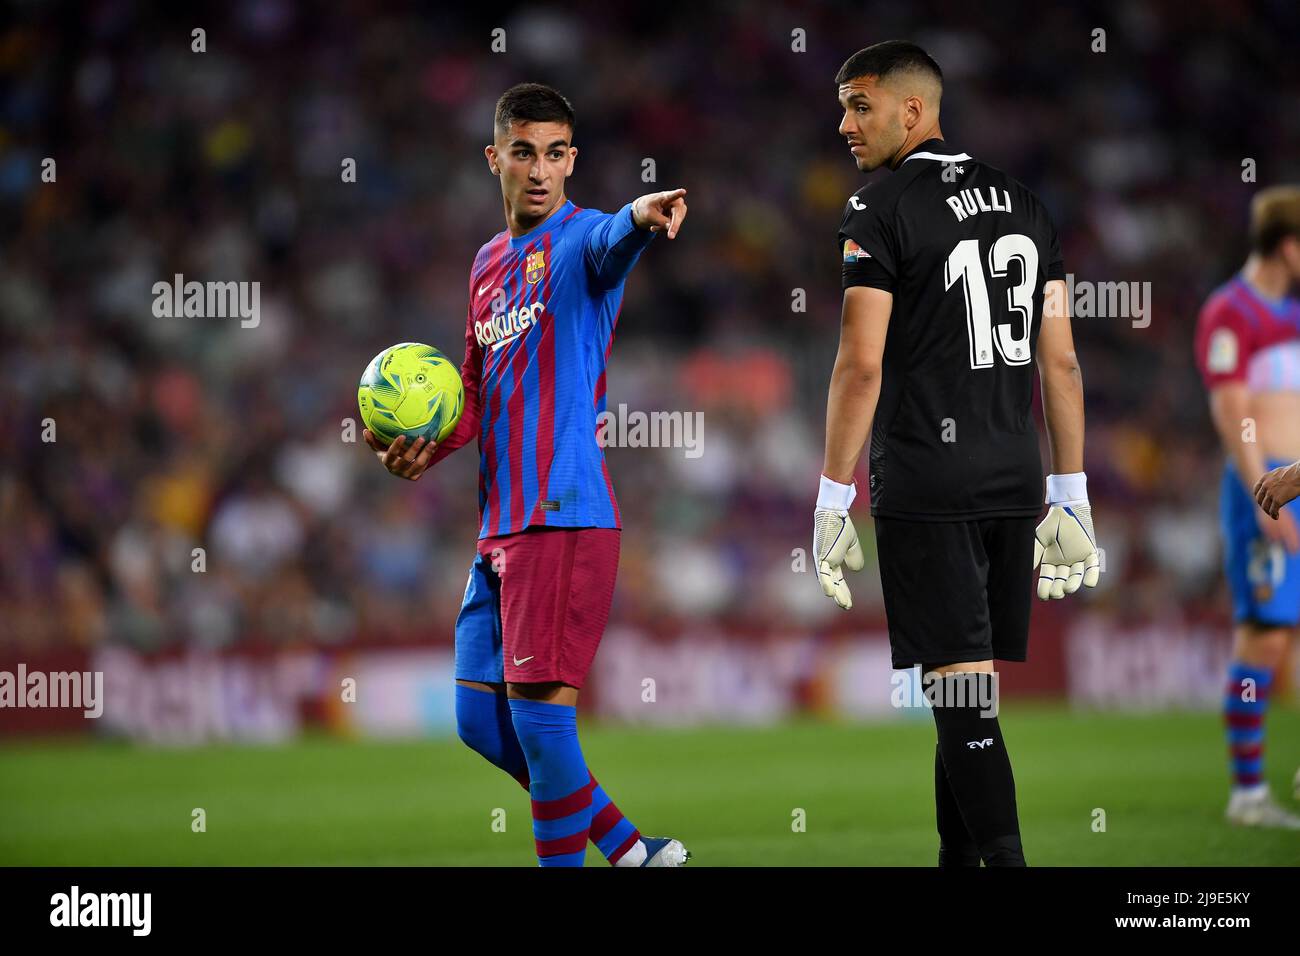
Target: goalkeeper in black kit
{"points": [[953, 291]]}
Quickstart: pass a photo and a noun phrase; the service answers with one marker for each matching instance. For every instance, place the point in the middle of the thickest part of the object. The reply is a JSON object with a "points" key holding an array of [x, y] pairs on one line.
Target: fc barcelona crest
{"points": [[535, 266]]}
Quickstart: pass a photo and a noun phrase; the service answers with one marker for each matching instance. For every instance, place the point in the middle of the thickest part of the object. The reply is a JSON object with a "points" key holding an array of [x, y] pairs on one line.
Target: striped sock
{"points": [[612, 832], [559, 781], [1245, 703], [486, 725]]}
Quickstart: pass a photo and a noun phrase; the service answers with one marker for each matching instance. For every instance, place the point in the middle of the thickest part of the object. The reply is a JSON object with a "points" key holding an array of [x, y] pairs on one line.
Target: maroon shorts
{"points": [[554, 588]]}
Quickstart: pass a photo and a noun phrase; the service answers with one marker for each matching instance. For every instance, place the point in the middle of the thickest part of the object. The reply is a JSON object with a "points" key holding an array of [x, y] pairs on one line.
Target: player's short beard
{"points": [[869, 164], [882, 156], [897, 137]]}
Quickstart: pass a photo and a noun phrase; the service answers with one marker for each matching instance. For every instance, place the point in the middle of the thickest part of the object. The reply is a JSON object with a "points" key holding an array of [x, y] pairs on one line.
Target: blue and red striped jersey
{"points": [[542, 312], [1243, 337]]}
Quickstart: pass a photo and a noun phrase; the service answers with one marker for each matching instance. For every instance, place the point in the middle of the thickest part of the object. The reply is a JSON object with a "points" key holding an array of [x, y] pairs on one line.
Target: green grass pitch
{"points": [[730, 794]]}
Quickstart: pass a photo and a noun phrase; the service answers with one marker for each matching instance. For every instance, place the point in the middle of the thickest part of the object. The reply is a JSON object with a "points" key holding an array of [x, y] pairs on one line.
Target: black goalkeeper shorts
{"points": [[956, 591]]}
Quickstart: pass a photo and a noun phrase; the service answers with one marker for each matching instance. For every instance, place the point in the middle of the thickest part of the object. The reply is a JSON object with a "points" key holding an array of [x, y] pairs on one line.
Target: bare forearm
{"points": [[1247, 458], [850, 408], [1063, 413], [1229, 407]]}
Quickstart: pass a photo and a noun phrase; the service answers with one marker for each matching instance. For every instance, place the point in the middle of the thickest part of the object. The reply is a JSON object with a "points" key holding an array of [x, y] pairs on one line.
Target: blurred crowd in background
{"points": [[173, 434]]}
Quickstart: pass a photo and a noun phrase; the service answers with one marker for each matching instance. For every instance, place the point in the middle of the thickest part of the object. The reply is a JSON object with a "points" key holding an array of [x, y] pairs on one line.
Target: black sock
{"points": [[956, 845], [977, 766]]}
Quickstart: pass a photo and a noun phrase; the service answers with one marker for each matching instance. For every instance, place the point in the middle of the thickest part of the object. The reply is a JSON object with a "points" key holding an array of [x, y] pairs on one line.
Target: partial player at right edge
{"points": [[1248, 352]]}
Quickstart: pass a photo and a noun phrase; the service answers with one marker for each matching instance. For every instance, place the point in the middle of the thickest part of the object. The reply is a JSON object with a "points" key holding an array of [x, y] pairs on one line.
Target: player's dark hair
{"points": [[891, 56], [534, 103], [1274, 215]]}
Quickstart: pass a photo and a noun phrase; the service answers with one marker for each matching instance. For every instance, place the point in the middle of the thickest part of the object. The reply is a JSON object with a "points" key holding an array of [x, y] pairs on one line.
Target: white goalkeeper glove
{"points": [[1065, 547], [835, 542]]}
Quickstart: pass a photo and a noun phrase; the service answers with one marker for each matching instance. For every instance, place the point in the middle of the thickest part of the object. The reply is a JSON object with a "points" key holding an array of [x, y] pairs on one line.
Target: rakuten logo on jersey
{"points": [[504, 328]]}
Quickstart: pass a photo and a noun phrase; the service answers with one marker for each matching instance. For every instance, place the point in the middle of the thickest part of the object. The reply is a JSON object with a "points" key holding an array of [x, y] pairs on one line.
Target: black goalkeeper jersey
{"points": [[966, 251]]}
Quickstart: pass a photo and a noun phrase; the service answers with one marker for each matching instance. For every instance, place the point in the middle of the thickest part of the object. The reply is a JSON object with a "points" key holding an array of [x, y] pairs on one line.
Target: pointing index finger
{"points": [[678, 217]]}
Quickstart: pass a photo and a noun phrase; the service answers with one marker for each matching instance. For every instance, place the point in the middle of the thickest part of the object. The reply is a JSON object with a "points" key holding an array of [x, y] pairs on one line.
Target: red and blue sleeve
{"points": [[471, 374], [1224, 342]]}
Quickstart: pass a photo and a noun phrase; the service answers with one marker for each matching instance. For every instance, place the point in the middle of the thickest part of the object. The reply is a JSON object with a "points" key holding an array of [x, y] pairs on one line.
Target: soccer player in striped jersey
{"points": [[1248, 352], [544, 298]]}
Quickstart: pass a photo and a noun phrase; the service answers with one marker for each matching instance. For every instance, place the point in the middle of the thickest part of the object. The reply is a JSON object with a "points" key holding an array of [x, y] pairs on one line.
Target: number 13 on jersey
{"points": [[965, 265]]}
